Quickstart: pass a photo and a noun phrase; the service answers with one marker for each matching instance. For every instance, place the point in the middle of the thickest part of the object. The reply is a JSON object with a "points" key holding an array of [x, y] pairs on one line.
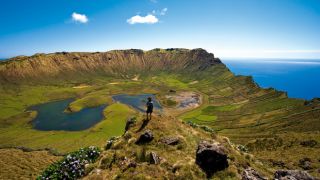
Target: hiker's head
{"points": [[149, 99]]}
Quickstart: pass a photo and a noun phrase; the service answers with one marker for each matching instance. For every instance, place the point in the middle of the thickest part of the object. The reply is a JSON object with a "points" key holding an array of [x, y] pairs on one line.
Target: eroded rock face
{"points": [[251, 174], [292, 175], [64, 65], [211, 157], [146, 137]]}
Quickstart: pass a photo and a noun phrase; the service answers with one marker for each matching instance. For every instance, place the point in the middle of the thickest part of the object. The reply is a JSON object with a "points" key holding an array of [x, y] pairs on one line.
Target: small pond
{"points": [[138, 101], [51, 116]]}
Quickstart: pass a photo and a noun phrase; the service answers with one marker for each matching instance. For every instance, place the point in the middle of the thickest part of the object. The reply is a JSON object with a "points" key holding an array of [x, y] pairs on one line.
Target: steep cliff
{"points": [[116, 63]]}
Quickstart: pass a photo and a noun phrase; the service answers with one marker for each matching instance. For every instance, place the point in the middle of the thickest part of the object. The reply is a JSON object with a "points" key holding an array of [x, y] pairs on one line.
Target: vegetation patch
{"points": [[72, 166]]}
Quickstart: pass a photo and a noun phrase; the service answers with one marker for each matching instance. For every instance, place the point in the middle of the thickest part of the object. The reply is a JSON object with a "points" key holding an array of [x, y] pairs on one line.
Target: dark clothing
{"points": [[149, 106]]}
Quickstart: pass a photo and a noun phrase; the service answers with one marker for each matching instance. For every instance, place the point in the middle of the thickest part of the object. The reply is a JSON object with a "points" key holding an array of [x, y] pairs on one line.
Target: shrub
{"points": [[72, 166]]}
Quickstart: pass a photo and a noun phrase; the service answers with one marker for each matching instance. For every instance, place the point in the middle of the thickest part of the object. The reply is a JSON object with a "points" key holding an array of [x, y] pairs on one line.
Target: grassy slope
{"points": [[234, 106], [16, 164], [178, 162]]}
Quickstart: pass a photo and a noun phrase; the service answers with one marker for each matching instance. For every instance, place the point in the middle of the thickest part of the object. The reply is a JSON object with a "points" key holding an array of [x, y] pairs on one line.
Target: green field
{"points": [[232, 106]]}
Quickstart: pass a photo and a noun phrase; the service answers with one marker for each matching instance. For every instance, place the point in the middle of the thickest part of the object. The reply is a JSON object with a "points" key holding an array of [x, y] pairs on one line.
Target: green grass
{"points": [[22, 134], [15, 101], [91, 100], [170, 80], [230, 106], [211, 109]]}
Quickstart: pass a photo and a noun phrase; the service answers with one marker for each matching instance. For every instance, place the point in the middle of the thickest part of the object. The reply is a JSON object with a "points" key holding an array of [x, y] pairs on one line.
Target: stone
{"points": [[154, 158], [292, 175], [305, 163], [170, 140], [309, 143], [130, 122], [211, 157], [251, 174], [146, 137]]}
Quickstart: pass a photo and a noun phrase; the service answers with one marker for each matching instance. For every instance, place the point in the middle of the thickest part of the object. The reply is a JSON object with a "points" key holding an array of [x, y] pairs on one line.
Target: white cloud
{"points": [[163, 11], [81, 18], [149, 19]]}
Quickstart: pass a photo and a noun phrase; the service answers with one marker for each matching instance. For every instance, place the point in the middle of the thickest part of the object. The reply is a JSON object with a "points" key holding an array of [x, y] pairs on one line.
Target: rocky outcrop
{"points": [[144, 138], [211, 157], [114, 63], [170, 140], [305, 163], [251, 174], [130, 122], [154, 158], [292, 175]]}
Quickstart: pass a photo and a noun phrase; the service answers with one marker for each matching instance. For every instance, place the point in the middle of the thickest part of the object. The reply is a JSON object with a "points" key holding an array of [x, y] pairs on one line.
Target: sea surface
{"points": [[299, 77]]}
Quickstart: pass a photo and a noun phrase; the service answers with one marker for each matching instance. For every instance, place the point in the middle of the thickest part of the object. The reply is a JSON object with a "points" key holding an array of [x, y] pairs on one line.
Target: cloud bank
{"points": [[80, 18], [148, 19]]}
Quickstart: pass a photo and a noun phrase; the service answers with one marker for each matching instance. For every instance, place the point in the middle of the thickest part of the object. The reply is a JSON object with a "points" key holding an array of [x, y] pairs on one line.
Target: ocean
{"points": [[299, 77]]}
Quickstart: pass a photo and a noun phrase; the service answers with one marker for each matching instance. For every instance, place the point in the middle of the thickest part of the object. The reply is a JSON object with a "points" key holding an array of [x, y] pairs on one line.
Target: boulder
{"points": [[251, 174], [130, 122], [309, 143], [170, 141], [292, 175], [146, 137], [154, 158], [211, 157], [305, 163]]}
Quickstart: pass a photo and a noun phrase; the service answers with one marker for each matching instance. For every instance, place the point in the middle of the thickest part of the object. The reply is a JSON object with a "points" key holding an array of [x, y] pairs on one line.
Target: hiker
{"points": [[149, 107]]}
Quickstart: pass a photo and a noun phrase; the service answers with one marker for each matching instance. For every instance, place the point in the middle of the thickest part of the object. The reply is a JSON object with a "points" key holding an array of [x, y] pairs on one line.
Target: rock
{"points": [[146, 137], [309, 143], [132, 164], [292, 175], [211, 157], [170, 140], [305, 163], [278, 163], [130, 122], [154, 158], [110, 142], [172, 91], [251, 174]]}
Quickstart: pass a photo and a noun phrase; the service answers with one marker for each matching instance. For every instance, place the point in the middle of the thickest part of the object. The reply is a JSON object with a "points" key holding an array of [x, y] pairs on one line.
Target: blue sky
{"points": [[228, 28]]}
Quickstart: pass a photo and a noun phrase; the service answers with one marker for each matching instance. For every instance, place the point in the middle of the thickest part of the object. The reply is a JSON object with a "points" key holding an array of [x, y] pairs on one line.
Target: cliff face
{"points": [[116, 62]]}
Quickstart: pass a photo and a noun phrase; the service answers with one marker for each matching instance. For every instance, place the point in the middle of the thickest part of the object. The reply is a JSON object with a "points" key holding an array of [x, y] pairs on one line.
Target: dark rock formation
{"points": [[154, 158], [305, 163], [211, 157], [251, 174], [292, 175], [130, 122], [146, 137], [170, 140], [309, 143]]}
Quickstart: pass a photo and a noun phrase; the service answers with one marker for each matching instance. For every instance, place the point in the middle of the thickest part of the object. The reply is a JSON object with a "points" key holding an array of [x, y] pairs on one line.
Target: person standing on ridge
{"points": [[149, 107]]}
